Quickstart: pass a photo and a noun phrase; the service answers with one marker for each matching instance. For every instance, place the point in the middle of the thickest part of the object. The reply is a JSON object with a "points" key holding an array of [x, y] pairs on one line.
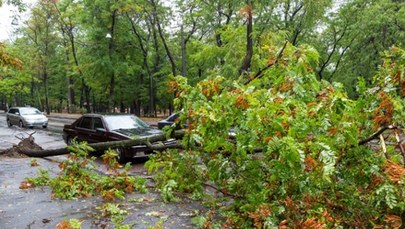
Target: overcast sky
{"points": [[6, 13], [6, 17]]}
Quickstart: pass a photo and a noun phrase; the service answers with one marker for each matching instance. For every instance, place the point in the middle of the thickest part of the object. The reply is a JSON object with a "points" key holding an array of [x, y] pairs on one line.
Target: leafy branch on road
{"points": [[78, 179]]}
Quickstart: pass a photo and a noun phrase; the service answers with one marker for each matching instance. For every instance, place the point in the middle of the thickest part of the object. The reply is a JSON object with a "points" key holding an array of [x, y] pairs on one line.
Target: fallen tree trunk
{"points": [[111, 145]]}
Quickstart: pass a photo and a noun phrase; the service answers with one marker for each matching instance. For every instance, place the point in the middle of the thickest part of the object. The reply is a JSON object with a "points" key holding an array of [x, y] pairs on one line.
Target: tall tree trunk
{"points": [[162, 37], [183, 53], [110, 53], [70, 90], [45, 81], [184, 41], [45, 77], [249, 40], [70, 94], [67, 28], [145, 55], [40, 104]]}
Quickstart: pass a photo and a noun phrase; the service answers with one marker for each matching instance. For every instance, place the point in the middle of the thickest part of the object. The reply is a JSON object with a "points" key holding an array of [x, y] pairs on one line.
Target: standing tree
{"points": [[40, 31]]}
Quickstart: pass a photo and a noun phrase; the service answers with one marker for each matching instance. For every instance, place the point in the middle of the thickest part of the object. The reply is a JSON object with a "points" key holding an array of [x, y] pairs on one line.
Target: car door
{"points": [[99, 130], [91, 130], [84, 131], [14, 116]]}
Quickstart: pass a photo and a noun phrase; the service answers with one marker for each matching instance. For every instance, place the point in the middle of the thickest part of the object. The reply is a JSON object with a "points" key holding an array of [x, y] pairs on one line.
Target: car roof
{"points": [[23, 108], [105, 115]]}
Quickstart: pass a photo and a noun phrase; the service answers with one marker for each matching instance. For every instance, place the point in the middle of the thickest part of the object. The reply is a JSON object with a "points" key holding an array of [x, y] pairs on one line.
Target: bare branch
{"points": [[259, 74], [377, 134]]}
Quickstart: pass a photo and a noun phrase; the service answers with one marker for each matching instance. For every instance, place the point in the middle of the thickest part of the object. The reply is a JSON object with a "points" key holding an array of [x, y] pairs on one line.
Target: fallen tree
{"points": [[314, 169], [29, 148]]}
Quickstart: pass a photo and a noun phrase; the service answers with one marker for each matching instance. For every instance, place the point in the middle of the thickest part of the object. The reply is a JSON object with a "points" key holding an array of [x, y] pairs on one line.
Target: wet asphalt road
{"points": [[34, 208]]}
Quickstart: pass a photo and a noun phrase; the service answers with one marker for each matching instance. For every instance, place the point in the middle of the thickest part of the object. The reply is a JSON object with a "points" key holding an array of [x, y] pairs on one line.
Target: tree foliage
{"points": [[312, 171]]}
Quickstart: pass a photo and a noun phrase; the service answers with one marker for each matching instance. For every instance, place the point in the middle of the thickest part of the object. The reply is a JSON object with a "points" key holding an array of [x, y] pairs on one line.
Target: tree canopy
{"points": [[117, 56]]}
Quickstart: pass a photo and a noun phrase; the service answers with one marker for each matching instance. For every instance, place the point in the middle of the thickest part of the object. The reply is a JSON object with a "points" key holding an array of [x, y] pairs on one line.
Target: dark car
{"points": [[169, 121], [26, 117], [172, 120], [94, 128]]}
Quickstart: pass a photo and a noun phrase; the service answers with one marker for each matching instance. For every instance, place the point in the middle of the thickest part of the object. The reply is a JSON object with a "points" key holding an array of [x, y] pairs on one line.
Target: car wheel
{"points": [[9, 123], [21, 124], [121, 157], [44, 126]]}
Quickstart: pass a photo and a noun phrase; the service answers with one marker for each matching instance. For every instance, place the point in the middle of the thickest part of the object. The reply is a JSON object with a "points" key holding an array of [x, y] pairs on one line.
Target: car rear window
{"points": [[29, 111], [12, 111], [85, 123]]}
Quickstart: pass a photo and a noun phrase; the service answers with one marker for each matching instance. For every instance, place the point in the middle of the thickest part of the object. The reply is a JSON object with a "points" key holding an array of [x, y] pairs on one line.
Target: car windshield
{"points": [[124, 122], [29, 111]]}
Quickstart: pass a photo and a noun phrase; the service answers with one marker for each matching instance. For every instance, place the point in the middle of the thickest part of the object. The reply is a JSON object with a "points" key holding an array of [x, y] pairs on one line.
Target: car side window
{"points": [[85, 123], [98, 123]]}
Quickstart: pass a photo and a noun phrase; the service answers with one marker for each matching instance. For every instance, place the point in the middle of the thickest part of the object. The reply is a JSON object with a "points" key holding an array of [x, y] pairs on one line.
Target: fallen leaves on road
{"points": [[25, 185], [158, 214]]}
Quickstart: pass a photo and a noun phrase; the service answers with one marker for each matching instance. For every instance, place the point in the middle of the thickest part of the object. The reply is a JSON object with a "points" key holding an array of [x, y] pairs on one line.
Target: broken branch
{"points": [[259, 74], [112, 144], [376, 134]]}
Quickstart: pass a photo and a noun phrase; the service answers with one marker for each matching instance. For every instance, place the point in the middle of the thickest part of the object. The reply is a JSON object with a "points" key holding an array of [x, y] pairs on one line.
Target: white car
{"points": [[26, 117]]}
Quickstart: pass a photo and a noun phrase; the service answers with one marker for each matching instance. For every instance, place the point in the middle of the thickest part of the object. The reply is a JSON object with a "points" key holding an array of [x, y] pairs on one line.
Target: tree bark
{"points": [[249, 40], [110, 54], [67, 29], [162, 37], [112, 145]]}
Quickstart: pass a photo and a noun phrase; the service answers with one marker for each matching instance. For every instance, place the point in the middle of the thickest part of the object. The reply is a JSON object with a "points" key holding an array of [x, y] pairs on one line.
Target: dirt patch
{"points": [[16, 150]]}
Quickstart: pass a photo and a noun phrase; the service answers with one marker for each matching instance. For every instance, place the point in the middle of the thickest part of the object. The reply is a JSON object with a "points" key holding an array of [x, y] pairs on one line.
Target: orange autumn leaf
{"points": [[241, 102], [246, 11], [26, 185], [311, 104], [268, 139], [384, 113], [283, 224], [393, 221], [172, 86], [257, 216], [394, 171], [332, 131], [286, 86], [278, 100], [63, 225], [310, 163], [271, 60], [312, 223], [311, 114], [327, 216]]}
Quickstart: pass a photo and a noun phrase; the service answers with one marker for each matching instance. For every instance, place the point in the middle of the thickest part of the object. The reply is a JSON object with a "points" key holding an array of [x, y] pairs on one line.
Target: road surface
{"points": [[34, 208]]}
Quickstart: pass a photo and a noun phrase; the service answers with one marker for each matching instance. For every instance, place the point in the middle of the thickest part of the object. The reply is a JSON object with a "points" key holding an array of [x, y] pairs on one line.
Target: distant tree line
{"points": [[116, 55]]}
